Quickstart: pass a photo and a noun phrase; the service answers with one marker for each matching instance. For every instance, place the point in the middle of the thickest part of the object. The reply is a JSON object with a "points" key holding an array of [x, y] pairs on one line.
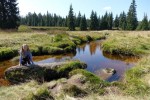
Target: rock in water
{"points": [[105, 73], [109, 71], [41, 72]]}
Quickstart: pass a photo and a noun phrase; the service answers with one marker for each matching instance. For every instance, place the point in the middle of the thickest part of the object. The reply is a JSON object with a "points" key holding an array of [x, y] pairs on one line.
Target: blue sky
{"points": [[61, 7]]}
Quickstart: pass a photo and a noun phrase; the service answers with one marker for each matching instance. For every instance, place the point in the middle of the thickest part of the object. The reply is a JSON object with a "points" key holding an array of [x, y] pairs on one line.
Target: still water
{"points": [[90, 53]]}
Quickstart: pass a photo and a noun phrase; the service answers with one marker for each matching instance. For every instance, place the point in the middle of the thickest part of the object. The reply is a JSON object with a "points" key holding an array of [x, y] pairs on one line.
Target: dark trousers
{"points": [[26, 60]]}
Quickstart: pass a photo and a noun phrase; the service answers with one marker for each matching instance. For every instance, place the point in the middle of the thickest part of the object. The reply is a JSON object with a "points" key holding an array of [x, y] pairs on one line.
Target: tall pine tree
{"points": [[94, 23], [3, 12], [110, 21], [123, 21], [132, 22], [144, 25], [71, 20], [104, 22], [9, 14], [78, 20], [83, 24], [116, 22]]}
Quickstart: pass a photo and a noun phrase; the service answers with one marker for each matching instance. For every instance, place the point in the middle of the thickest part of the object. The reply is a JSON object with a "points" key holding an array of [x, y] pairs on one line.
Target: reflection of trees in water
{"points": [[127, 59], [93, 46], [81, 48]]}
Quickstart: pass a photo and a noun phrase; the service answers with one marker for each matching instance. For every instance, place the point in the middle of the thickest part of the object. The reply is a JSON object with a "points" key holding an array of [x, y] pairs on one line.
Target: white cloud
{"points": [[108, 8]]}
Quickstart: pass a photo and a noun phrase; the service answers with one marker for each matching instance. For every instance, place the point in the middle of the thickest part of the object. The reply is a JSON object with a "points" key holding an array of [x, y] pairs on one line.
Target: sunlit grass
{"points": [[128, 43]]}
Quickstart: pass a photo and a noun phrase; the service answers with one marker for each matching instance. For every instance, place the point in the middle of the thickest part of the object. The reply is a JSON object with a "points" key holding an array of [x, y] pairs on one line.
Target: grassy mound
{"points": [[41, 72], [28, 91], [95, 84], [128, 43], [135, 82]]}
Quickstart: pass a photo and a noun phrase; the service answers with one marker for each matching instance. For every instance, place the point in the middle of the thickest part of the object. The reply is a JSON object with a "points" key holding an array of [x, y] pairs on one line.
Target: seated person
{"points": [[25, 55]]}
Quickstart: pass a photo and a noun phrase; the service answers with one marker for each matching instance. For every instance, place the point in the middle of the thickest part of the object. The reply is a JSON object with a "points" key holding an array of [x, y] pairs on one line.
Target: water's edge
{"points": [[90, 53]]}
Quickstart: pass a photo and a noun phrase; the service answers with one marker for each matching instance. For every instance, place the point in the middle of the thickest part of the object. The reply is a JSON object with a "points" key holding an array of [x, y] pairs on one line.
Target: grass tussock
{"points": [[135, 78], [127, 43], [95, 84], [28, 91], [41, 42], [24, 28]]}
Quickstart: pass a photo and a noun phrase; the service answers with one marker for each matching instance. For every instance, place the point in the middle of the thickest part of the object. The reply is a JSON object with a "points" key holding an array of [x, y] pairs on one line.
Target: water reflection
{"points": [[89, 53], [96, 60]]}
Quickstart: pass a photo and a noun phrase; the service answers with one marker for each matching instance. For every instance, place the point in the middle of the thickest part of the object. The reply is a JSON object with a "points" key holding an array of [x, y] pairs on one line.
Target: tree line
{"points": [[33, 19], [9, 18]]}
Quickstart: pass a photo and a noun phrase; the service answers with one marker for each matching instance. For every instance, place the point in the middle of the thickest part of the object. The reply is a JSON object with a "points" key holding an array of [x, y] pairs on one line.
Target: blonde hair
{"points": [[22, 50]]}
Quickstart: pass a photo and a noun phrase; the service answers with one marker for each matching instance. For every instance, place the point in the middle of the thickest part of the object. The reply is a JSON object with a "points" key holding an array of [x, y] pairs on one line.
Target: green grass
{"points": [[39, 44], [24, 28], [42, 42], [136, 84], [127, 43], [42, 28], [64, 70], [74, 91], [134, 79], [95, 84], [28, 91], [40, 73]]}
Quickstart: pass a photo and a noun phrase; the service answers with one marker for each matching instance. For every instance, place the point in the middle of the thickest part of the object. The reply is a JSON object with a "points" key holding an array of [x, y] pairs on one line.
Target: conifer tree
{"points": [[83, 25], [110, 21], [71, 20], [123, 21], [9, 14], [94, 24], [144, 25], [116, 22], [132, 17], [78, 20], [104, 22]]}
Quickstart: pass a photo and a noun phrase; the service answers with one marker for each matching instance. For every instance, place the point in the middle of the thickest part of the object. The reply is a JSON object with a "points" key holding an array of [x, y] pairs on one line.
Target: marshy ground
{"points": [[136, 84]]}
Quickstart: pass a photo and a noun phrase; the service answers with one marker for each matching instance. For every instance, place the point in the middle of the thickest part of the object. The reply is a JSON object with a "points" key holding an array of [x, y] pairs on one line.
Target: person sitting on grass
{"points": [[25, 55]]}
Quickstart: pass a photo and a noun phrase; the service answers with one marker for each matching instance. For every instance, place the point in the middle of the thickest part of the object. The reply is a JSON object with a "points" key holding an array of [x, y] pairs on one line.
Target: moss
{"points": [[95, 84], [7, 53], [90, 76], [64, 70], [60, 37], [41, 73], [87, 38], [35, 51], [77, 41], [70, 49], [15, 59], [52, 50], [23, 28]]}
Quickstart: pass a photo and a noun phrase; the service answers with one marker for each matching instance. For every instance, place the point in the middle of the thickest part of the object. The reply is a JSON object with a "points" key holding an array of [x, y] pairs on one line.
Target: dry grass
{"points": [[94, 34], [18, 92]]}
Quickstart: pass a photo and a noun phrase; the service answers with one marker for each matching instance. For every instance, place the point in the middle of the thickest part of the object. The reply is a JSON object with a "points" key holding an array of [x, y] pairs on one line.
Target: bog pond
{"points": [[90, 53]]}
